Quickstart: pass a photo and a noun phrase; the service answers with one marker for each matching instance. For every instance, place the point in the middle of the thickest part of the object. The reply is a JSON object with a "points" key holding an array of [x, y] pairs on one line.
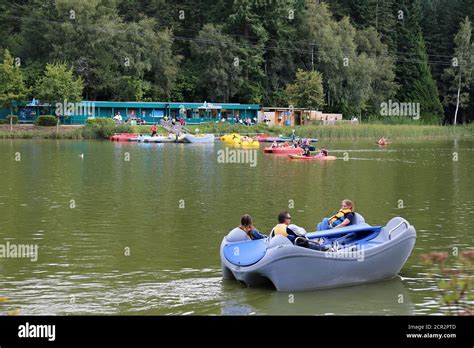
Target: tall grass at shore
{"points": [[375, 131]]}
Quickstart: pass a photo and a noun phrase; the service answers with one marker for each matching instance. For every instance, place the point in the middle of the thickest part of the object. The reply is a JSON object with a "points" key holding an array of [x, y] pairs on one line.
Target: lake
{"points": [[136, 228]]}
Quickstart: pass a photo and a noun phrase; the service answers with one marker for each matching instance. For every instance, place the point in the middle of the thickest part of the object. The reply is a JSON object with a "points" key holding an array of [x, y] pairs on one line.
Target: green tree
{"points": [[219, 70], [12, 85], [307, 90], [460, 75], [59, 84], [358, 71], [413, 71]]}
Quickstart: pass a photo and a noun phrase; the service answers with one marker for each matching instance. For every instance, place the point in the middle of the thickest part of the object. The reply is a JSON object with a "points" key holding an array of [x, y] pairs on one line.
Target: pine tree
{"points": [[412, 70]]}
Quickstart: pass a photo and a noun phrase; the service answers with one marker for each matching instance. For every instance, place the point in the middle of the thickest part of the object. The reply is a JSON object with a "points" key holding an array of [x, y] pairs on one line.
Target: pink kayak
{"points": [[313, 158], [287, 150]]}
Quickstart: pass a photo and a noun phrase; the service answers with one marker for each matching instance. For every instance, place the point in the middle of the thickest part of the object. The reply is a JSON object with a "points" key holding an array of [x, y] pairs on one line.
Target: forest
{"points": [[346, 56]]}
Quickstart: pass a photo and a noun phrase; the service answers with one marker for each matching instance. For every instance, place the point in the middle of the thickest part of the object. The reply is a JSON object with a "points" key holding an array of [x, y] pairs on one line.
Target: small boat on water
{"points": [[201, 138], [271, 139], [278, 139], [122, 136], [249, 143], [349, 255], [171, 138], [383, 143], [313, 158], [284, 150]]}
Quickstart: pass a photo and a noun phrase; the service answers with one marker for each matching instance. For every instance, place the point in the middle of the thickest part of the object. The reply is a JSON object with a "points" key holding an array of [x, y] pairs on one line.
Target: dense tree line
{"points": [[340, 55]]}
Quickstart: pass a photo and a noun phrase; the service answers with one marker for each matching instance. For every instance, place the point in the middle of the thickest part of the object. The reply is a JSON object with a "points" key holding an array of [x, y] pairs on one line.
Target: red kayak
{"points": [[383, 143], [287, 150], [123, 136], [313, 158]]}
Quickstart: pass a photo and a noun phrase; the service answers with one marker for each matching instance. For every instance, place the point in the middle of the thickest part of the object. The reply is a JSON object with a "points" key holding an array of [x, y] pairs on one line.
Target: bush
{"points": [[14, 118], [101, 121], [104, 128], [46, 121]]}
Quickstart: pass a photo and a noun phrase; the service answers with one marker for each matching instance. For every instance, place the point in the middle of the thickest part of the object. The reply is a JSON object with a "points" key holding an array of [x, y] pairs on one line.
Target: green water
{"points": [[142, 236]]}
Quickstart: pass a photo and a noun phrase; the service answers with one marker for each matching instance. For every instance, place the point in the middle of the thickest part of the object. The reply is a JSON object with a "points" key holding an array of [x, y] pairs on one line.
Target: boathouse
{"points": [[151, 112]]}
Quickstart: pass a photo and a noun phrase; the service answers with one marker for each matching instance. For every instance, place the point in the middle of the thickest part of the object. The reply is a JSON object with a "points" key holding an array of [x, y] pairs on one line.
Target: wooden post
{"points": [[11, 123]]}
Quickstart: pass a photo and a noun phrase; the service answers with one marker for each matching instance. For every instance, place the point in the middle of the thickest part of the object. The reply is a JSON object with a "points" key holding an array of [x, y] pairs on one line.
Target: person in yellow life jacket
{"points": [[284, 220], [344, 217]]}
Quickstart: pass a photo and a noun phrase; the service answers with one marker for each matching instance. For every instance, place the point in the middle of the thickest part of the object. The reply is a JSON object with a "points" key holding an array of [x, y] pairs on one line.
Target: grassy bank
{"points": [[69, 132], [375, 131], [343, 131], [348, 131]]}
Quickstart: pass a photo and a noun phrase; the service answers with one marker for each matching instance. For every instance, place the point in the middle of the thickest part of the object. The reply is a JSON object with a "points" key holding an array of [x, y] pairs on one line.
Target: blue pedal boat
{"points": [[355, 254]]}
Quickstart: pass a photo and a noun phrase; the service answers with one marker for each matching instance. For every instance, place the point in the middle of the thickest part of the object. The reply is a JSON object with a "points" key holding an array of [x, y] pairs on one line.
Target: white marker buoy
{"points": [[81, 155]]}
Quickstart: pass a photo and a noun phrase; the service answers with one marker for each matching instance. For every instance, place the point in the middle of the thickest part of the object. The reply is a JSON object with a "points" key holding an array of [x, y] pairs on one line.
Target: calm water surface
{"points": [[144, 235]]}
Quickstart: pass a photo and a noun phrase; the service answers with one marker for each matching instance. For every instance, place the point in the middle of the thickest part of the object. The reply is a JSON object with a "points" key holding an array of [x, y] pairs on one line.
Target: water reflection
{"points": [[387, 297]]}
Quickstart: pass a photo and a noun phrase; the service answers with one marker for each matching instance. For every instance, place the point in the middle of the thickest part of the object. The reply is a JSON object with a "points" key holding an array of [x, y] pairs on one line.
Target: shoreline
{"points": [[333, 132]]}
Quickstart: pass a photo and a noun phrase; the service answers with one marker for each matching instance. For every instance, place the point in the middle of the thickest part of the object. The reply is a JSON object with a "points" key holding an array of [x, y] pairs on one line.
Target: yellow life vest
{"points": [[339, 217], [280, 229]]}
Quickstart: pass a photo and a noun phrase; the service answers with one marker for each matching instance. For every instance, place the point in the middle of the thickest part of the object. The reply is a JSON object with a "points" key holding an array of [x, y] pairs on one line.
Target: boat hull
{"points": [[189, 138]]}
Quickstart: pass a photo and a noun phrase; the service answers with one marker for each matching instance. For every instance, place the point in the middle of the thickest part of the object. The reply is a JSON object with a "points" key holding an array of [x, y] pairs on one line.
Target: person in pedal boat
{"points": [[283, 227], [344, 217], [307, 152], [246, 225], [323, 152], [274, 145]]}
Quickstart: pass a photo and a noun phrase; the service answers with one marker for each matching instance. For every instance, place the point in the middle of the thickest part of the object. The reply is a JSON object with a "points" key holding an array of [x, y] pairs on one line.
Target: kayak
{"points": [[355, 254], [288, 150], [313, 158], [383, 144], [122, 137]]}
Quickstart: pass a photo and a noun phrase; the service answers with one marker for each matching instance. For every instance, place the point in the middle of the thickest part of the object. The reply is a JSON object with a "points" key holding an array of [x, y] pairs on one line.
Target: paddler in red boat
{"points": [[307, 152], [382, 141], [274, 145]]}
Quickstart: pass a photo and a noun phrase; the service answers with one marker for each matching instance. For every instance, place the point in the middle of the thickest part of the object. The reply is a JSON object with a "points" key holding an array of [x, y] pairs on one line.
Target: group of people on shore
{"points": [[344, 217]]}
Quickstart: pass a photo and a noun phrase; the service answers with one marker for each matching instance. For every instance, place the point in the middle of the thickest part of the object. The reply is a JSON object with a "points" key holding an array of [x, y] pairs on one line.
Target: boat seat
{"points": [[358, 219], [245, 253]]}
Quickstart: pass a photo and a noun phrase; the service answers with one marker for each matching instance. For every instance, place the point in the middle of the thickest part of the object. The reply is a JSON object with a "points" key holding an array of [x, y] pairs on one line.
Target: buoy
{"points": [[81, 155]]}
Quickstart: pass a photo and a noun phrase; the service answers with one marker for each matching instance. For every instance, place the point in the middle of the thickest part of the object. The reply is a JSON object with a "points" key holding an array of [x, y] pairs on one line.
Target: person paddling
{"points": [[307, 152]]}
